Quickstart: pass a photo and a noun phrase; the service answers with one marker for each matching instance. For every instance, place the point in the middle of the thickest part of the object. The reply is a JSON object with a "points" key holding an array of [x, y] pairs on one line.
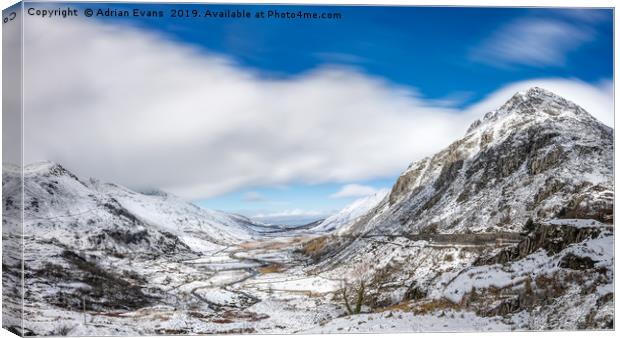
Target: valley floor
{"points": [[255, 287]]}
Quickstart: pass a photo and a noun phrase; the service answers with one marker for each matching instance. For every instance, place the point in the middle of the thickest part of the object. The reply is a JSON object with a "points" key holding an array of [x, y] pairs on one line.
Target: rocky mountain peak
{"points": [[539, 101], [46, 168], [538, 156], [533, 105]]}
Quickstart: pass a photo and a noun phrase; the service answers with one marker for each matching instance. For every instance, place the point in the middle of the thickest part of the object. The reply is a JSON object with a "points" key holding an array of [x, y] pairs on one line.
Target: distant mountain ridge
{"points": [[358, 208]]}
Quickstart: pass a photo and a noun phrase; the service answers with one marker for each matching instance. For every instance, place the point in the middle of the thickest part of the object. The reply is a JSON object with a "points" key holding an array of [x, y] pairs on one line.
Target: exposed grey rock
{"points": [[551, 238]]}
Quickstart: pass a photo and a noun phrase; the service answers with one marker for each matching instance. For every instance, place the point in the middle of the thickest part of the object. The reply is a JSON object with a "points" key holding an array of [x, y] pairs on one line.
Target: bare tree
{"points": [[346, 299], [359, 275]]}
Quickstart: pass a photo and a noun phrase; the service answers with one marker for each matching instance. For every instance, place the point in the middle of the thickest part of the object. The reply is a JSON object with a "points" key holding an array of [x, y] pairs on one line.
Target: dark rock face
{"points": [[448, 174], [593, 203], [535, 293], [574, 262], [415, 292], [116, 209], [552, 186], [58, 171], [125, 236], [551, 238], [406, 180], [134, 241], [105, 290]]}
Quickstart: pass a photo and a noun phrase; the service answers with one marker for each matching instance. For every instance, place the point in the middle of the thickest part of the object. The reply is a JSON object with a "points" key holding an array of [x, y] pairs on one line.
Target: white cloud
{"points": [[532, 41], [354, 190], [132, 107]]}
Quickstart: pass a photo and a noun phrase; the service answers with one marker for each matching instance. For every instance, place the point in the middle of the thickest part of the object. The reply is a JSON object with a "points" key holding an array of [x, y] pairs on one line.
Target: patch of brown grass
{"points": [[250, 245], [223, 321], [434, 305], [315, 246], [276, 245], [231, 316], [270, 245], [404, 306], [272, 268], [160, 317]]}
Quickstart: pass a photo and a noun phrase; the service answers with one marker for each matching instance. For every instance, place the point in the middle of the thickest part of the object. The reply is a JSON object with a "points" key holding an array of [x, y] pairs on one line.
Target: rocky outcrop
{"points": [[552, 238], [595, 202], [574, 262]]}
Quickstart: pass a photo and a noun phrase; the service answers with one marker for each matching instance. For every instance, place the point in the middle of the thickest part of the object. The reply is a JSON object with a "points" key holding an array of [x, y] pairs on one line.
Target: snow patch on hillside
{"points": [[351, 212]]}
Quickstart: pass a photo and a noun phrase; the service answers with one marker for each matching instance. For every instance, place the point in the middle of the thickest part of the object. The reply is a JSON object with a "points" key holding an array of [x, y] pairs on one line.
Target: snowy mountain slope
{"points": [[59, 207], [559, 276], [539, 156], [194, 225], [351, 212], [514, 220], [90, 215], [101, 242]]}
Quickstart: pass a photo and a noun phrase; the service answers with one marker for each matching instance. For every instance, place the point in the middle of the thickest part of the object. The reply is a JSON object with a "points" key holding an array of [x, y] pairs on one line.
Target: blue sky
{"points": [[430, 48], [445, 60]]}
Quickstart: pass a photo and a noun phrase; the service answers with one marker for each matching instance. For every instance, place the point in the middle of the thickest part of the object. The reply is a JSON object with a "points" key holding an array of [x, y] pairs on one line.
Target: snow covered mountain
{"points": [[513, 222], [537, 157], [351, 212], [89, 214], [104, 242]]}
